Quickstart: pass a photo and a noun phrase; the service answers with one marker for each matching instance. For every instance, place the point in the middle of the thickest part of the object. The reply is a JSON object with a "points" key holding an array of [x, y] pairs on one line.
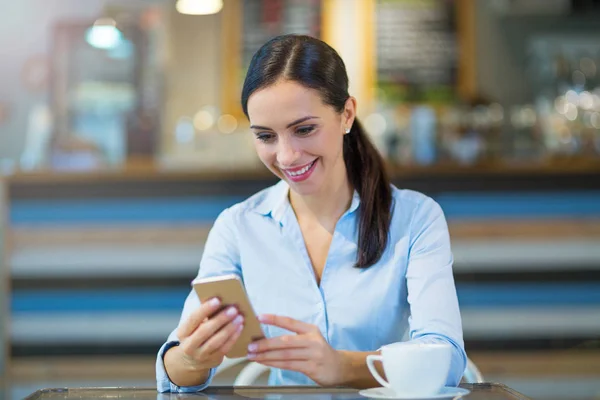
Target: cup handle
{"points": [[370, 363]]}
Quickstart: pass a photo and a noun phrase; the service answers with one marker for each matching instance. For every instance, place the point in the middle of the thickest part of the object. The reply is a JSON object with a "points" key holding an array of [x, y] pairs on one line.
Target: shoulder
{"points": [[406, 199], [410, 207]]}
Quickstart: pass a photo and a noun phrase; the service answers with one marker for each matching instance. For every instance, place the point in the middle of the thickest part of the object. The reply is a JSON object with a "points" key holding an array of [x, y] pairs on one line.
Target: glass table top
{"points": [[481, 391]]}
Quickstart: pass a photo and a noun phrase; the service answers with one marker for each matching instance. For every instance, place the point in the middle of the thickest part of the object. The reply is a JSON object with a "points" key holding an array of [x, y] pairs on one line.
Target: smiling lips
{"points": [[301, 173]]}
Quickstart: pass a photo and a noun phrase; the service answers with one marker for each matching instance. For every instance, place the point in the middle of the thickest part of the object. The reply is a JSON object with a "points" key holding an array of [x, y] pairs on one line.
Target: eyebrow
{"points": [[296, 122]]}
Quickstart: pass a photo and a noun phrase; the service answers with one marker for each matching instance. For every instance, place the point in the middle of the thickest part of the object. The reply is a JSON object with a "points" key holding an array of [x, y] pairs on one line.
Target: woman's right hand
{"points": [[205, 337]]}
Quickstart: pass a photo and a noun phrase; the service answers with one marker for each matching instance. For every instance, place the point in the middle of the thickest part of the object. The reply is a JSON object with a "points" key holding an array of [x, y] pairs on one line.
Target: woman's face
{"points": [[298, 137]]}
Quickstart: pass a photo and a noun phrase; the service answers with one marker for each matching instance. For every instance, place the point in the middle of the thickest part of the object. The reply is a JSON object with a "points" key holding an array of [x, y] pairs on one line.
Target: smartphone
{"points": [[230, 290]]}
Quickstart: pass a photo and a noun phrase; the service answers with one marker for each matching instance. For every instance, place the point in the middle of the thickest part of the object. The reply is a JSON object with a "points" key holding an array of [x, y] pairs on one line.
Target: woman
{"points": [[337, 260]]}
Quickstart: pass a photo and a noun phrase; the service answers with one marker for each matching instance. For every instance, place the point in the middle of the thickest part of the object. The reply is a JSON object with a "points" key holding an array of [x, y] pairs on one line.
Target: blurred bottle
{"points": [[37, 138], [423, 135]]}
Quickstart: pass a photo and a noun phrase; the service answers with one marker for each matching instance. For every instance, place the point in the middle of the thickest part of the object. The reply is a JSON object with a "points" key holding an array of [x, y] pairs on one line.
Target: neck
{"points": [[326, 206]]}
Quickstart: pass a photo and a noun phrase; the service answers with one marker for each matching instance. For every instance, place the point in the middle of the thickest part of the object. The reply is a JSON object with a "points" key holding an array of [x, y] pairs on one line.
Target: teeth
{"points": [[302, 171]]}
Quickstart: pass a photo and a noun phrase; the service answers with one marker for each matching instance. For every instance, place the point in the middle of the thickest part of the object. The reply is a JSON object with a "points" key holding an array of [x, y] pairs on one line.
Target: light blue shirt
{"points": [[409, 294]]}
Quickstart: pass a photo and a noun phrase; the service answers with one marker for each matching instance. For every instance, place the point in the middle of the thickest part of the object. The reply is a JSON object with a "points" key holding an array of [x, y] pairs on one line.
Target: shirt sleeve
{"points": [[435, 315], [220, 257]]}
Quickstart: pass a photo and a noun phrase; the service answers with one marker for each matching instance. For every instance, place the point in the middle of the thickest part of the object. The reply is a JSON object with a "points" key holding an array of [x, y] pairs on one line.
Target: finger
{"points": [[301, 354], [279, 342], [217, 340], [299, 366], [208, 328], [205, 310], [231, 341], [290, 324]]}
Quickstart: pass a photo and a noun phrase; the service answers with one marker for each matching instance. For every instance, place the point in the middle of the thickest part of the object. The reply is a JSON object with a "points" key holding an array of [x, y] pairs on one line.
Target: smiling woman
{"points": [[333, 258], [298, 86]]}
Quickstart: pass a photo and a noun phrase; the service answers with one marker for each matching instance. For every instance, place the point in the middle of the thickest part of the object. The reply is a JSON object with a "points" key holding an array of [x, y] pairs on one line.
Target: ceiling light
{"points": [[104, 34], [199, 7]]}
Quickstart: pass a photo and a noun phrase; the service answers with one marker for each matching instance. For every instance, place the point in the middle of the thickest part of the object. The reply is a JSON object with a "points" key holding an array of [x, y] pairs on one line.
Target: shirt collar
{"points": [[354, 204], [276, 202]]}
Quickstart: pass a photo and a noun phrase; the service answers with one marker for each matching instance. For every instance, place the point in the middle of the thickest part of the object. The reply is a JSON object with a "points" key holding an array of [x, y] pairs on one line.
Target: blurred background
{"points": [[122, 138]]}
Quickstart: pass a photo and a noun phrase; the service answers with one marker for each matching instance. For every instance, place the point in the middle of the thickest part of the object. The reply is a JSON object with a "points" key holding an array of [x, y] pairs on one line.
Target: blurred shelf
{"points": [[562, 167], [134, 172], [146, 179], [82, 368], [581, 362], [149, 170]]}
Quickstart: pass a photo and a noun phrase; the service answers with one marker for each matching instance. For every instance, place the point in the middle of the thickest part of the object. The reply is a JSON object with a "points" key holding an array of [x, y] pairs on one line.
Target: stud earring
{"points": [[347, 130]]}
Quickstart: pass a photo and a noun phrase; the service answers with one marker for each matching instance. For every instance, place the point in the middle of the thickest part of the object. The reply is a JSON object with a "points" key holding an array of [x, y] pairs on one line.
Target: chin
{"points": [[306, 188], [301, 190]]}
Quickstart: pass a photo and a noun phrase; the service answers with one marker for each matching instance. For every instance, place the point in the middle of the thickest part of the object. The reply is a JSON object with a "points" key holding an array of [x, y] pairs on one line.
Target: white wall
{"points": [[25, 31], [193, 58]]}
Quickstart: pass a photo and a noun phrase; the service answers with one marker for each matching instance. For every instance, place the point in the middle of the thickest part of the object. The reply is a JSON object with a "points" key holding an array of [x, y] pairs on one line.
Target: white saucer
{"points": [[385, 393]]}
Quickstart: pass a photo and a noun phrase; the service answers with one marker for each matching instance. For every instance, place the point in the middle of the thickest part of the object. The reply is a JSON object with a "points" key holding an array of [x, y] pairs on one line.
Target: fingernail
{"points": [[231, 311], [215, 302], [238, 320], [240, 328], [251, 356], [252, 347]]}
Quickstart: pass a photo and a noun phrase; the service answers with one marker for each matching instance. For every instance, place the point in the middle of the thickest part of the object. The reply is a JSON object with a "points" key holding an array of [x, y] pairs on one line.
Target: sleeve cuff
{"points": [[458, 361], [164, 384]]}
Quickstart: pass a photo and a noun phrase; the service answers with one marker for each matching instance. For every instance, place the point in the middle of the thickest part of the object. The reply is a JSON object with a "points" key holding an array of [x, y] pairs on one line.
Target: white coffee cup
{"points": [[413, 369]]}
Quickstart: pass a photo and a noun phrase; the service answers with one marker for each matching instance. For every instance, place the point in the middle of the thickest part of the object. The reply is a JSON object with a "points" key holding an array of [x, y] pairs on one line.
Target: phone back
{"points": [[230, 291]]}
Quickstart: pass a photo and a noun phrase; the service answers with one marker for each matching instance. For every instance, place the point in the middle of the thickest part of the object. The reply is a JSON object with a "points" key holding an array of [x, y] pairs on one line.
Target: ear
{"points": [[349, 113]]}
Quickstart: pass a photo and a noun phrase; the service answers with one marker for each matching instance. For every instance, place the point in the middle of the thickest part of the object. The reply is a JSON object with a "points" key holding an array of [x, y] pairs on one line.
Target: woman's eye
{"points": [[305, 130], [265, 137]]}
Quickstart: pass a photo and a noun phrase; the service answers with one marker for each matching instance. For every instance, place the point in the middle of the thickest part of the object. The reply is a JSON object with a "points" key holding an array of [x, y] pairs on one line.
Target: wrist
{"points": [[189, 363], [354, 371], [346, 367], [181, 371]]}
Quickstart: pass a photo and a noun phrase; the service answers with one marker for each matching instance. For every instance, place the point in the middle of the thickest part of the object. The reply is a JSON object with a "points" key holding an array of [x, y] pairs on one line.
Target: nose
{"points": [[287, 154]]}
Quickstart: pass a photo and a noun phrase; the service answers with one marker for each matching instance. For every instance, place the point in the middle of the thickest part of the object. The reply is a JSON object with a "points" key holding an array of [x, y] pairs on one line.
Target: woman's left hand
{"points": [[306, 351]]}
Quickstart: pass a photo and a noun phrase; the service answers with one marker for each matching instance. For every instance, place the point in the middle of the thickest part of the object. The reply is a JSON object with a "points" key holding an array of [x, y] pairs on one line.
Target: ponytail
{"points": [[367, 174]]}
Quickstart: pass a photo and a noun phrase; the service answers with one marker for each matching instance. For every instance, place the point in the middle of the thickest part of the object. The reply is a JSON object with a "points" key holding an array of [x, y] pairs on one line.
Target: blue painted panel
{"points": [[520, 205], [474, 295], [193, 209], [98, 300], [171, 299], [206, 209]]}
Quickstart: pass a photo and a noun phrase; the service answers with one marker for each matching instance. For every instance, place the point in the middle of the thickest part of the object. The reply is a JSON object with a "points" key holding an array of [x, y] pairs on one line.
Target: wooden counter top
{"points": [[150, 171], [146, 179]]}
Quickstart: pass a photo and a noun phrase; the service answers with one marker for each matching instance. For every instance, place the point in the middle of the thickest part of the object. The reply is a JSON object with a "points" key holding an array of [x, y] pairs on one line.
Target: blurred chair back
{"points": [[250, 374], [253, 370], [4, 295], [472, 373]]}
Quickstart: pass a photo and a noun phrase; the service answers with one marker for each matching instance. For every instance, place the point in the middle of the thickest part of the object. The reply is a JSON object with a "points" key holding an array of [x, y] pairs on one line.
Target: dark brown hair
{"points": [[314, 64]]}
